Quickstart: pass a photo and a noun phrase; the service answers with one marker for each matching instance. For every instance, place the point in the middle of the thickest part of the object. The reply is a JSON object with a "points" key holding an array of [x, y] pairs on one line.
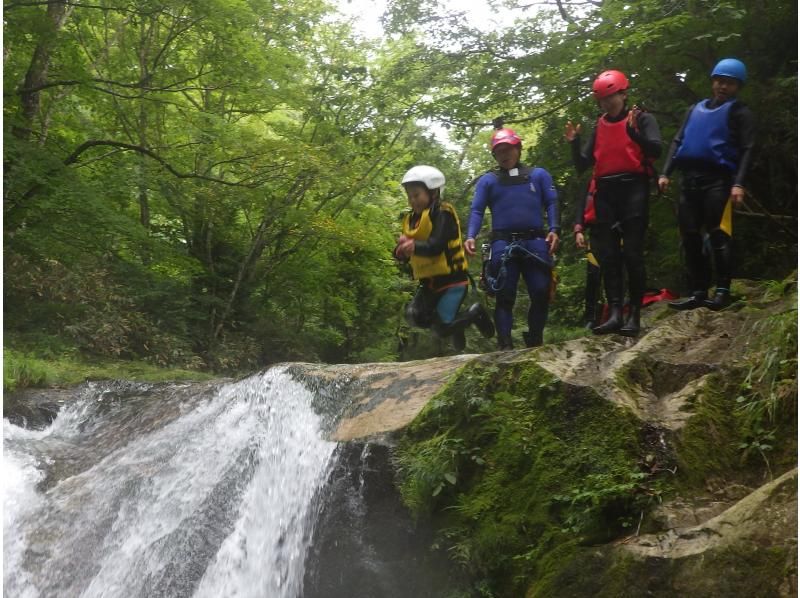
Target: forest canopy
{"points": [[214, 184]]}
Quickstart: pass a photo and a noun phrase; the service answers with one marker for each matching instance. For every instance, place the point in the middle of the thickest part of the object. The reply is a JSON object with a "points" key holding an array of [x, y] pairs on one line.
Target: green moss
{"points": [[529, 480], [513, 464], [737, 570], [708, 445]]}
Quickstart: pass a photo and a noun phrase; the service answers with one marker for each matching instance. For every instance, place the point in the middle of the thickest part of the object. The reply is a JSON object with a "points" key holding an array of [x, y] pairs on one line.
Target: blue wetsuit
{"points": [[517, 200]]}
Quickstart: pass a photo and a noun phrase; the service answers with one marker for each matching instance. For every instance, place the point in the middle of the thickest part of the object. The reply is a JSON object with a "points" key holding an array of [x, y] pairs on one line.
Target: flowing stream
{"points": [[204, 490]]}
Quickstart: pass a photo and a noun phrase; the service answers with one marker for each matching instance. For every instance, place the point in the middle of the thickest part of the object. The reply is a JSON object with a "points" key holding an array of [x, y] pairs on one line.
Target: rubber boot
{"points": [[695, 300], [589, 319], [532, 339], [721, 300], [477, 315], [632, 324], [613, 323], [458, 339], [504, 343]]}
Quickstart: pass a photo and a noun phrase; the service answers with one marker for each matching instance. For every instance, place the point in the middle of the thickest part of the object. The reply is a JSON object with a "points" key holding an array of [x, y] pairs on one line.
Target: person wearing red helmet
{"points": [[713, 150], [622, 148], [522, 242]]}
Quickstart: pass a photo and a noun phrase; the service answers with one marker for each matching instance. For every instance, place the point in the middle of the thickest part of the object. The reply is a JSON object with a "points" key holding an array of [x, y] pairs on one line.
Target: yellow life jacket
{"points": [[451, 260]]}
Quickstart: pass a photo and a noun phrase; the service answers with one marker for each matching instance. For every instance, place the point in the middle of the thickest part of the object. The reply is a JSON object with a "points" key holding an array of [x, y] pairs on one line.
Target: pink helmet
{"points": [[608, 83], [504, 136]]}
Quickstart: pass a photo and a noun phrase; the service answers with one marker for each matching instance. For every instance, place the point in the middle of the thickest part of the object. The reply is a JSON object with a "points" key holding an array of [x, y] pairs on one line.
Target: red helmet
{"points": [[608, 83], [504, 136]]}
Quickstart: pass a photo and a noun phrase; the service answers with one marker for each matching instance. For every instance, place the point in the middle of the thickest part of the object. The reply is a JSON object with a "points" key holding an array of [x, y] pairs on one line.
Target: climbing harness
{"points": [[493, 285]]}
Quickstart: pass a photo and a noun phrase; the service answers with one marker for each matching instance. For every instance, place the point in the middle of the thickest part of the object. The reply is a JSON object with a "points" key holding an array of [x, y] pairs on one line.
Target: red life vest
{"points": [[615, 152]]}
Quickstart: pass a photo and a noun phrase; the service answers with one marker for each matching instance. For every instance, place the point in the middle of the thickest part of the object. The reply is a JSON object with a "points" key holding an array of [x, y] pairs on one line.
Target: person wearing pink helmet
{"points": [[622, 148], [525, 229]]}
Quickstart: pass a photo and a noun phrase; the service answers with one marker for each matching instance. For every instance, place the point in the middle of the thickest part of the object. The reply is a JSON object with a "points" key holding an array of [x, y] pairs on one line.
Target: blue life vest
{"points": [[707, 136]]}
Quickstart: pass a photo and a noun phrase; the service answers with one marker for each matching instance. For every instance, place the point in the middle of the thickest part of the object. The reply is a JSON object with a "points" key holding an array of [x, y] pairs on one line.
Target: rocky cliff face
{"points": [[661, 466]]}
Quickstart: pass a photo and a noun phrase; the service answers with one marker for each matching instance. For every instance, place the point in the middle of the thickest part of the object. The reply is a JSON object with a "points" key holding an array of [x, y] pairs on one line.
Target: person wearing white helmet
{"points": [[713, 150], [431, 243]]}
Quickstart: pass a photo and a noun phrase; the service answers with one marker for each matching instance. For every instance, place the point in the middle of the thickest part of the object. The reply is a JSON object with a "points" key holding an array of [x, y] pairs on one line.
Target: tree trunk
{"points": [[57, 14]]}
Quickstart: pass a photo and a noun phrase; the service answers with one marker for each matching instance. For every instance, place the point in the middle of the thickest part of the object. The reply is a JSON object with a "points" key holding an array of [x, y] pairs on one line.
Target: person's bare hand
{"points": [[571, 131], [469, 246], [663, 183], [737, 195], [580, 241], [552, 242], [405, 246]]}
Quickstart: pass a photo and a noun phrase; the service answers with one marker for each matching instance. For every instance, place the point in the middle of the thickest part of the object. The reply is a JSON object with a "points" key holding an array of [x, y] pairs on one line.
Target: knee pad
{"points": [[416, 316]]}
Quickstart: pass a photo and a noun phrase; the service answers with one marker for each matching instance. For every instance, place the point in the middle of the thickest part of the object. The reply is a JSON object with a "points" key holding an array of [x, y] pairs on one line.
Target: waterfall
{"points": [[166, 490]]}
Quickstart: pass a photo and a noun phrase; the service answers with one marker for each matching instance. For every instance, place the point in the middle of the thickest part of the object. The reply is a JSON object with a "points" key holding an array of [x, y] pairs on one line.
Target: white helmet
{"points": [[429, 176]]}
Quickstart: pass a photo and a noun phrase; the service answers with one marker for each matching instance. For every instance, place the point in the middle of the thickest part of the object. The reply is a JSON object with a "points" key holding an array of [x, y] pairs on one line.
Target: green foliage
{"points": [[511, 465], [24, 370], [193, 170], [768, 396], [21, 371]]}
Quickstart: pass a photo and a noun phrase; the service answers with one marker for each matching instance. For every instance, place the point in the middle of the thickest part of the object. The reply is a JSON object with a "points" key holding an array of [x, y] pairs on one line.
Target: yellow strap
{"points": [[726, 225]]}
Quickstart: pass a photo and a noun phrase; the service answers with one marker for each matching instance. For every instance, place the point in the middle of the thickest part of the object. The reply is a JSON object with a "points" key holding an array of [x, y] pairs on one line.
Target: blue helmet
{"points": [[730, 67]]}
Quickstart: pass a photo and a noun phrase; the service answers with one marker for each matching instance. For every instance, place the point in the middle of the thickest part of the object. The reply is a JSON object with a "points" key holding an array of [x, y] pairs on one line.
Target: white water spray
{"points": [[214, 498]]}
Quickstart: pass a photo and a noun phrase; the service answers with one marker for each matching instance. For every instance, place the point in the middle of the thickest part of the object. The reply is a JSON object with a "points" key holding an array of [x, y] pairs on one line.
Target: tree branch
{"points": [[73, 157]]}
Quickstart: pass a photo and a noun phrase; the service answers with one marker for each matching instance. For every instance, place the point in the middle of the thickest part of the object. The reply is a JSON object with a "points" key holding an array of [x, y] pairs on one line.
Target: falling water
{"points": [[164, 490]]}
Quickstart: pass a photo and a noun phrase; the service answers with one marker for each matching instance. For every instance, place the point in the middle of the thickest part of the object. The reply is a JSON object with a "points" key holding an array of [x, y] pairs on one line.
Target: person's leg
{"points": [[634, 229], [607, 245], [537, 277], [690, 224], [445, 323], [421, 310], [719, 223], [506, 274], [591, 294]]}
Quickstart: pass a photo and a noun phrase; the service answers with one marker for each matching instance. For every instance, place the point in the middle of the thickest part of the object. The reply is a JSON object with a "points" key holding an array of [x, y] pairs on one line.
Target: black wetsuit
{"points": [[705, 195], [622, 211]]}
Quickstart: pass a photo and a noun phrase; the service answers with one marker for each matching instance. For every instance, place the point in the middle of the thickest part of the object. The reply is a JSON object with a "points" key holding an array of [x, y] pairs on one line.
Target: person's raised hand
{"points": [[571, 131]]}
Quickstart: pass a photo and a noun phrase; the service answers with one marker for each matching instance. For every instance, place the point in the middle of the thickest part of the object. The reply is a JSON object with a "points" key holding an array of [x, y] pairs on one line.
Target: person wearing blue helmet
{"points": [[713, 150]]}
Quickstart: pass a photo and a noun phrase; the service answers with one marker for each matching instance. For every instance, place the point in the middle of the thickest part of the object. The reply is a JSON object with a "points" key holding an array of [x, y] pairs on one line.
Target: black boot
{"points": [[459, 340], [478, 315], [632, 324], [613, 323], [721, 300], [694, 301], [533, 339], [504, 343], [589, 319]]}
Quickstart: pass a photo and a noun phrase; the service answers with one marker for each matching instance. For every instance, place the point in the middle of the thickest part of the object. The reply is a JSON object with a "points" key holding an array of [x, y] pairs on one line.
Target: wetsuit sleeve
{"points": [[550, 197], [580, 207], [479, 202], [669, 163], [743, 132], [445, 228], [648, 137], [583, 155]]}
